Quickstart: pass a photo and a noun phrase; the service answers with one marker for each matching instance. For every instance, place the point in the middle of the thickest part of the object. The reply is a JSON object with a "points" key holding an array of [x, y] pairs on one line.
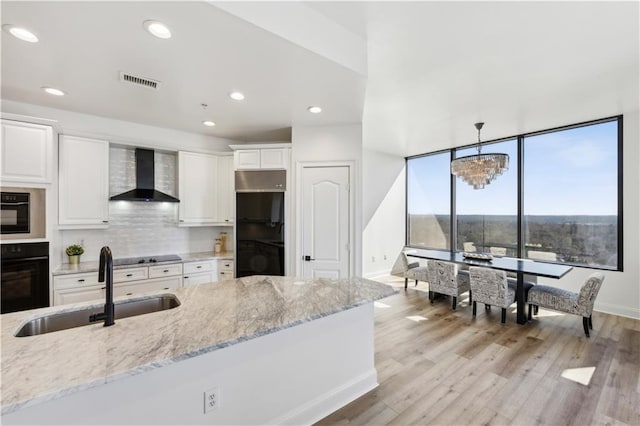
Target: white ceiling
{"points": [[84, 45], [434, 68]]}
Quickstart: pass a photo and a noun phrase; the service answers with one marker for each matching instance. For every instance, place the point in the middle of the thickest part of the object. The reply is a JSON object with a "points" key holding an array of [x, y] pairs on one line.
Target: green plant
{"points": [[74, 250]]}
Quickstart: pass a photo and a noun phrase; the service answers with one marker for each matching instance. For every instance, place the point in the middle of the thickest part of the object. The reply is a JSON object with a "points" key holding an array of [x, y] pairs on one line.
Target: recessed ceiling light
{"points": [[53, 91], [236, 96], [314, 109], [21, 33], [157, 29], [209, 123]]}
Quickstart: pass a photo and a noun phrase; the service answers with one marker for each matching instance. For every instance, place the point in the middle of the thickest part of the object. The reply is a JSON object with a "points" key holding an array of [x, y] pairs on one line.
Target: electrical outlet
{"points": [[211, 399]]}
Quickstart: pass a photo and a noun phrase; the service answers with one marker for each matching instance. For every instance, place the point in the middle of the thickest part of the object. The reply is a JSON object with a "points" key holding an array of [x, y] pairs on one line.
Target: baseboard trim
{"points": [[331, 401], [622, 311], [377, 274]]}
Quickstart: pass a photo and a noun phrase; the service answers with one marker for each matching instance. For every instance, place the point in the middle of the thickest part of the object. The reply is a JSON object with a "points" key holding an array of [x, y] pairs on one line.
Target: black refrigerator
{"points": [[260, 230]]}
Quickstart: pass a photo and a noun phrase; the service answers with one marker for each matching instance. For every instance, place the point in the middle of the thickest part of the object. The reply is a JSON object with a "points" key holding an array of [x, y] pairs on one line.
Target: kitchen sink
{"points": [[80, 317]]}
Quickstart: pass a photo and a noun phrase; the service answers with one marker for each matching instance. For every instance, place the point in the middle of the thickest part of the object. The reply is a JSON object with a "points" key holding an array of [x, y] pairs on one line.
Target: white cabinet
{"points": [[84, 183], [26, 153], [198, 188], [200, 272], [147, 286], [225, 269], [75, 288], [261, 158], [226, 189]]}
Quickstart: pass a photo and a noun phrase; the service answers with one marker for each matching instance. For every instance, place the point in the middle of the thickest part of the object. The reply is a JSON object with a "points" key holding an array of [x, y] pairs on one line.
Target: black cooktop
{"points": [[146, 259]]}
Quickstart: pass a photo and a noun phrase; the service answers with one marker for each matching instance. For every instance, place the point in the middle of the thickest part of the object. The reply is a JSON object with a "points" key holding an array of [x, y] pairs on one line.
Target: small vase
{"points": [[74, 260]]}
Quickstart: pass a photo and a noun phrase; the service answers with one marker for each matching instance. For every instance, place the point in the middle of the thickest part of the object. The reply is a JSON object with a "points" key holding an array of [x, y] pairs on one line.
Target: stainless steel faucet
{"points": [[106, 266]]}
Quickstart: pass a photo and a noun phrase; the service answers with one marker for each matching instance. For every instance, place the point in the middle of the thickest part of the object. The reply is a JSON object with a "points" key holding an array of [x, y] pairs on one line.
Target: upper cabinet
{"points": [[252, 158], [84, 182], [26, 153], [198, 188], [226, 193]]}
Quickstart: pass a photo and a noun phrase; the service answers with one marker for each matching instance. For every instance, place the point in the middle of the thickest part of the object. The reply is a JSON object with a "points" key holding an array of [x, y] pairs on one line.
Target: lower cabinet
{"points": [[84, 287], [200, 272]]}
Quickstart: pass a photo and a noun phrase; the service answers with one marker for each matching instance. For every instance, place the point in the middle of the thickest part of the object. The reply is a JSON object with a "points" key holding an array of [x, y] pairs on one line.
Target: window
{"points": [[569, 187], [571, 195], [487, 219], [429, 201]]}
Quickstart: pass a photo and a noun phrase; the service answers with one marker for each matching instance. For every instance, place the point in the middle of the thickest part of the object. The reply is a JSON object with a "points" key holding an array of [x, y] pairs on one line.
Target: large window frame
{"points": [[519, 163]]}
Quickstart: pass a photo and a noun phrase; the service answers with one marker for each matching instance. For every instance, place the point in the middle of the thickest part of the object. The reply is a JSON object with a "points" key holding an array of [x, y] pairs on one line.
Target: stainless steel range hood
{"points": [[145, 181]]}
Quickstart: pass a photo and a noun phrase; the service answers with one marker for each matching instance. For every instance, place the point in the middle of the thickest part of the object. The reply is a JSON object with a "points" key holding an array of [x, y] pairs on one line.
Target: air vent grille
{"points": [[139, 81]]}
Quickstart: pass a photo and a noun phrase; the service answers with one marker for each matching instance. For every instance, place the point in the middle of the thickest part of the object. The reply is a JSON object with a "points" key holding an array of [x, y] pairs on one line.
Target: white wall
{"points": [[325, 144], [384, 203]]}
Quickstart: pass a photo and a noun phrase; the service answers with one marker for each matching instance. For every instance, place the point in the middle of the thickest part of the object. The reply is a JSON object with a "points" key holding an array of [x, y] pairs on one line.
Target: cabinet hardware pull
{"points": [[166, 288], [166, 270], [105, 221], [181, 220], [129, 275], [185, 277], [129, 294], [199, 266], [81, 280], [102, 288]]}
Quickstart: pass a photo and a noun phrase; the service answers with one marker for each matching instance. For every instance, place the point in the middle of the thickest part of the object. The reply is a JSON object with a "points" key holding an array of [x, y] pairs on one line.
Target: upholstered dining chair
{"points": [[491, 287], [580, 303], [500, 251], [409, 270], [542, 255], [445, 278]]}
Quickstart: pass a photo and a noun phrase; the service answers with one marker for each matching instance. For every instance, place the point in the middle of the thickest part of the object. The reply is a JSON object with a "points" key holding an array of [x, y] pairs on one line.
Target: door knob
{"points": [[308, 259]]}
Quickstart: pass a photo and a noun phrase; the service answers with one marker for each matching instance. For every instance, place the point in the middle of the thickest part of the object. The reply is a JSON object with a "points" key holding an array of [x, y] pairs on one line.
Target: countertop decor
{"points": [[211, 316]]}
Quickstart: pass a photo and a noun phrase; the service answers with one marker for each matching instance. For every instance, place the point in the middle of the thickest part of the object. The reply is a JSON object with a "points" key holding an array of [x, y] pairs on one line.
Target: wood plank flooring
{"points": [[440, 367]]}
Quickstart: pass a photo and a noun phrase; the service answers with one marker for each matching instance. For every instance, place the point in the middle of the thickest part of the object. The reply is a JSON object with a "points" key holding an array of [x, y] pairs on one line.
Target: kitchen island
{"points": [[271, 349]]}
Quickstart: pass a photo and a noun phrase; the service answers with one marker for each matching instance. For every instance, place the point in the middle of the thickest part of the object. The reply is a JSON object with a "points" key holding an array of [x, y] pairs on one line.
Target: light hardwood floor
{"points": [[440, 367]]}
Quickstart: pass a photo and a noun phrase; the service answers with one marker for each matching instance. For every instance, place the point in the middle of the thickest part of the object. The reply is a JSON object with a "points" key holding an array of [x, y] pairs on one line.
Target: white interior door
{"points": [[325, 222]]}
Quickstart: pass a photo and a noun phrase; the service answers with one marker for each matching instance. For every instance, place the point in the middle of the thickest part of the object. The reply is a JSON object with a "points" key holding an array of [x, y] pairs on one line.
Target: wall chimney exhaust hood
{"points": [[145, 181]]}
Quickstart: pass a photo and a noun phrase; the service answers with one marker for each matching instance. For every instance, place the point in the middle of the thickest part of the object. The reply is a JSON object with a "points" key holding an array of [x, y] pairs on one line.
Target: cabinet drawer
{"points": [[131, 274], [225, 265], [75, 280], [165, 270], [149, 286], [204, 266], [225, 275]]}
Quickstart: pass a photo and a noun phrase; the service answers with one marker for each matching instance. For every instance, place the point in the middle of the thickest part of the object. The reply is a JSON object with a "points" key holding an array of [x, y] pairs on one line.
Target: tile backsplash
{"points": [[141, 228]]}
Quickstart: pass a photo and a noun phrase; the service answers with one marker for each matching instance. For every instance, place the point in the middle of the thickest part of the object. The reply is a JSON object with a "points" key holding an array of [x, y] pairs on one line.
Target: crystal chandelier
{"points": [[479, 169]]}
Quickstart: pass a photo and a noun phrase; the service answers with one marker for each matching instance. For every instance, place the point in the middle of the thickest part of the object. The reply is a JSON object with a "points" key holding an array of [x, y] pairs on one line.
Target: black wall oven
{"points": [[24, 278], [14, 212]]}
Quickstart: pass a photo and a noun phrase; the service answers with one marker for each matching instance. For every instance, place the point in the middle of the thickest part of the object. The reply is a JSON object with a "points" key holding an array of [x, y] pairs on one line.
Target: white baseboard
{"points": [[376, 274], [621, 311], [329, 402]]}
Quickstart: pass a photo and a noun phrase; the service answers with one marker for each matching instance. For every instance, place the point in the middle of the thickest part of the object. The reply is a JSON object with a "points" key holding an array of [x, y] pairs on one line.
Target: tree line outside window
{"points": [[560, 201]]}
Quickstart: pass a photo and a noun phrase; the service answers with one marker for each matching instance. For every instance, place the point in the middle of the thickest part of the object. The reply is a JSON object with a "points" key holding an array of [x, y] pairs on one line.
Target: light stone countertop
{"points": [[92, 266], [40, 368]]}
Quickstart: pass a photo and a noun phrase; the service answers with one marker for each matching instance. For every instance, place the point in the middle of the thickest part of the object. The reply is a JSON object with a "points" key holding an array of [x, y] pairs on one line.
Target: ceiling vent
{"points": [[139, 81]]}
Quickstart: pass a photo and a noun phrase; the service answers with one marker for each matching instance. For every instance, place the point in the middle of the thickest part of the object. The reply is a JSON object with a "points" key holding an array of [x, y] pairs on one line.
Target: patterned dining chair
{"points": [[580, 303], [445, 278], [403, 268], [491, 287]]}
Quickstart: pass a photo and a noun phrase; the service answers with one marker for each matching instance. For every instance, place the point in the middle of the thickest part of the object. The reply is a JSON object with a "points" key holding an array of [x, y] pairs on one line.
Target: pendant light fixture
{"points": [[479, 169]]}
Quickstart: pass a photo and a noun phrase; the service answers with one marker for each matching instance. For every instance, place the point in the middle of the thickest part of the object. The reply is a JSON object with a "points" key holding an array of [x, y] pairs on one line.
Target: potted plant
{"points": [[74, 251]]}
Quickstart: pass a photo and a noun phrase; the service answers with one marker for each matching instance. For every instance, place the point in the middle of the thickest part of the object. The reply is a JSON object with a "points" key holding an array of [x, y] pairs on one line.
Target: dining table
{"points": [[523, 268]]}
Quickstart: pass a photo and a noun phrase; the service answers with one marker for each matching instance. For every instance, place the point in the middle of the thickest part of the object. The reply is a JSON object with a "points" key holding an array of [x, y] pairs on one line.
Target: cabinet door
{"points": [[26, 152], [200, 278], [226, 190], [147, 286], [197, 184], [84, 182], [274, 158], [247, 159], [77, 295]]}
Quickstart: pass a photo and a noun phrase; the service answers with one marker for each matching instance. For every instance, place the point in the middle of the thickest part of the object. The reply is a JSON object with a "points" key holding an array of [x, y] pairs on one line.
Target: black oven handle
{"points": [[25, 259], [23, 203]]}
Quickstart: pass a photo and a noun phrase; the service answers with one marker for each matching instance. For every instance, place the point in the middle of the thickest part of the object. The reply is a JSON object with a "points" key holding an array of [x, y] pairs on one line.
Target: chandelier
{"points": [[479, 169]]}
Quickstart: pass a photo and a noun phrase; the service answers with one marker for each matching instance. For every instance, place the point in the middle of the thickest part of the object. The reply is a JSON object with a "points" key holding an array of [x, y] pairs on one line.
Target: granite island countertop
{"points": [[92, 266], [211, 316]]}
